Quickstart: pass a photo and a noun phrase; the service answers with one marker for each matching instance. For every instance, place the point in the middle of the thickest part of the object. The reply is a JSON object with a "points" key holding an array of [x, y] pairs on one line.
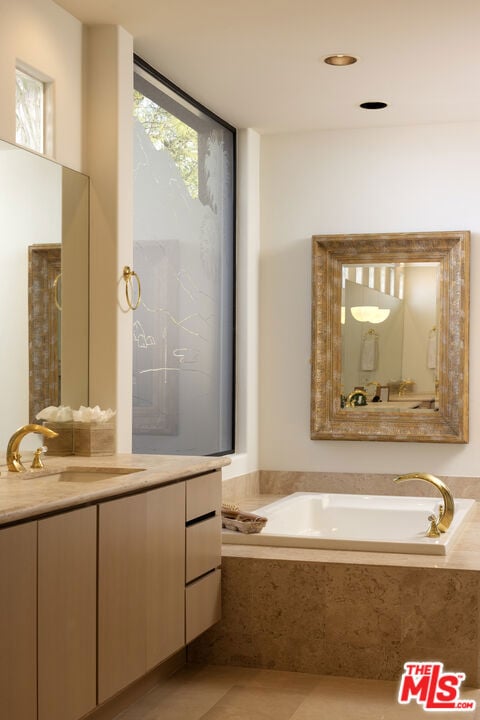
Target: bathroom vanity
{"points": [[108, 569]]}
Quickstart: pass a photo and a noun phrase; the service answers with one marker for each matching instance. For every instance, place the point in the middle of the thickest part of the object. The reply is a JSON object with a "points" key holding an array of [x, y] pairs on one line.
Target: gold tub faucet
{"points": [[447, 509], [14, 461]]}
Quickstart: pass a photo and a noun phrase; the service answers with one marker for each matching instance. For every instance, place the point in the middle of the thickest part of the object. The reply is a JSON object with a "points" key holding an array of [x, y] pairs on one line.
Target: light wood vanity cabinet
{"points": [[48, 621], [203, 554], [18, 622], [67, 599], [93, 598], [141, 580]]}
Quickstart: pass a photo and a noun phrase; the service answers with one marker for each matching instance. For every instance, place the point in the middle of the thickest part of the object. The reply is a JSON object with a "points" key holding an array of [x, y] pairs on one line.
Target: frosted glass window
{"points": [[30, 94], [183, 330]]}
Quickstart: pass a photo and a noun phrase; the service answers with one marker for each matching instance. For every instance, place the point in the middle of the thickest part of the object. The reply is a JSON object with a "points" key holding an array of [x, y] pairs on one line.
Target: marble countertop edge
{"points": [[25, 496]]}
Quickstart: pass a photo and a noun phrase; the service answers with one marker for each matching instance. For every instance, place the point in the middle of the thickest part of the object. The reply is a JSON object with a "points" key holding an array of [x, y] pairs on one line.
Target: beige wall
{"points": [[354, 181], [109, 82], [379, 180], [42, 35], [90, 69]]}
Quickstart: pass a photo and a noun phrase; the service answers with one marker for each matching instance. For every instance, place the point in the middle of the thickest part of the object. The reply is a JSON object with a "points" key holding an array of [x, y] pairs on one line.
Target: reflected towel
{"points": [[369, 354], [432, 350]]}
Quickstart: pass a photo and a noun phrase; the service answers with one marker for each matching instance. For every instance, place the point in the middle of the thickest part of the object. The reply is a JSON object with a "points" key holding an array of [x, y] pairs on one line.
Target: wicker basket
{"points": [[235, 519]]}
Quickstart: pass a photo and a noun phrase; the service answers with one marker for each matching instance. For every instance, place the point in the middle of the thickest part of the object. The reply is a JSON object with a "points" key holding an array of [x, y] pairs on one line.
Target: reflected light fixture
{"points": [[342, 315], [370, 313]]}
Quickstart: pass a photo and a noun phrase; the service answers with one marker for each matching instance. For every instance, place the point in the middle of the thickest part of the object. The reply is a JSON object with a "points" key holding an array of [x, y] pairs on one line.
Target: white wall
{"points": [[421, 315], [30, 212], [245, 459], [389, 340], [379, 180], [42, 35], [354, 181], [45, 37]]}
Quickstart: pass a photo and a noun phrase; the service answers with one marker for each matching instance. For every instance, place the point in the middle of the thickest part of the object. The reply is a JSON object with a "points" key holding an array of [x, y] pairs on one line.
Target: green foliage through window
{"points": [[29, 111], [168, 132]]}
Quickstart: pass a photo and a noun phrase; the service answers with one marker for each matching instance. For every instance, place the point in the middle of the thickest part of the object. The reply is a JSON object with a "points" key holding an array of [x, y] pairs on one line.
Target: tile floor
{"points": [[209, 692]]}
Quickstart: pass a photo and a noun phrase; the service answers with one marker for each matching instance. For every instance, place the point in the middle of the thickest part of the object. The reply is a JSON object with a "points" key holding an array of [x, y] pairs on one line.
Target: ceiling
{"points": [[258, 63]]}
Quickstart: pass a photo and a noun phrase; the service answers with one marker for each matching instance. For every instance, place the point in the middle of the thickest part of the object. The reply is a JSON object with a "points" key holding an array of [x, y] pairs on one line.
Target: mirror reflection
{"points": [[44, 289], [390, 323], [390, 329]]}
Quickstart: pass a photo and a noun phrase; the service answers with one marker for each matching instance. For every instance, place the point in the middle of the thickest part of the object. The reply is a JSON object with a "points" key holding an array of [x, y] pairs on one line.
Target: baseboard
{"points": [[112, 707]]}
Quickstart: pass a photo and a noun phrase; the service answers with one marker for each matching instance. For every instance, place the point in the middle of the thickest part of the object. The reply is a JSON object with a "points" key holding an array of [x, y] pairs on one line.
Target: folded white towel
{"points": [[369, 354]]}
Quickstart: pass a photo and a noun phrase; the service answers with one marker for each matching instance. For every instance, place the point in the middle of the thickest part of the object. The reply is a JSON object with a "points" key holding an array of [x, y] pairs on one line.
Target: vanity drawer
{"points": [[204, 494], [203, 547], [202, 605]]}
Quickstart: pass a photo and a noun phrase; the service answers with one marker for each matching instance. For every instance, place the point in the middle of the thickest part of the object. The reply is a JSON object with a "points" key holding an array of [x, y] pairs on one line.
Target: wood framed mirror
{"points": [[399, 372]]}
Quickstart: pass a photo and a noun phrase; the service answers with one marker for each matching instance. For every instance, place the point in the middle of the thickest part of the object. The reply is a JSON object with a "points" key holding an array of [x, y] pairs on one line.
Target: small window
{"points": [[30, 111]]}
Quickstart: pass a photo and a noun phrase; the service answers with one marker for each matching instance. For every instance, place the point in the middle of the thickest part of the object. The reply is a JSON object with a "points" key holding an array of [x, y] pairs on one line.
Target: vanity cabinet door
{"points": [[121, 593], [165, 595], [18, 627], [67, 586], [141, 584]]}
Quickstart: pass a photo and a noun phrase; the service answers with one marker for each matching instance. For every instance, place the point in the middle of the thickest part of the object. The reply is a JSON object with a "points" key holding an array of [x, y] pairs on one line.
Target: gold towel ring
{"points": [[55, 292], [128, 274]]}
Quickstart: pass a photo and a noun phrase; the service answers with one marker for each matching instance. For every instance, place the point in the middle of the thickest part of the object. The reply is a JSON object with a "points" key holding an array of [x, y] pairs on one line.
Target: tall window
{"points": [[30, 111], [184, 254]]}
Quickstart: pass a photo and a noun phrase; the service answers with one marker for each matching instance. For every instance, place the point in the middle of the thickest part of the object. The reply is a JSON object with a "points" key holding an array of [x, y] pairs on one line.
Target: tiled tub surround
{"points": [[356, 614], [275, 482]]}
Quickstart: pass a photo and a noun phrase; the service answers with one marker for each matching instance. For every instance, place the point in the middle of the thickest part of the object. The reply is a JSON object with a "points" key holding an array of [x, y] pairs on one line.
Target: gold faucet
{"points": [[446, 510], [14, 461]]}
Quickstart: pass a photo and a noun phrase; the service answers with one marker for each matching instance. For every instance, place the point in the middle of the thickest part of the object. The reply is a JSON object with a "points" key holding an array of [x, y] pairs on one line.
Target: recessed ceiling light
{"points": [[373, 105], [340, 60]]}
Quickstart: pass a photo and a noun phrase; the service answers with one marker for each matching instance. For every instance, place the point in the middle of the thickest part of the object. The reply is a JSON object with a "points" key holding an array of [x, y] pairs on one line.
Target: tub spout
{"points": [[447, 509]]}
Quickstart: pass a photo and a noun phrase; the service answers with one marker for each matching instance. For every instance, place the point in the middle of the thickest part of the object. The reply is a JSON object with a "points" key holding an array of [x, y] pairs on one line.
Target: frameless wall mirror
{"points": [[44, 290], [390, 337]]}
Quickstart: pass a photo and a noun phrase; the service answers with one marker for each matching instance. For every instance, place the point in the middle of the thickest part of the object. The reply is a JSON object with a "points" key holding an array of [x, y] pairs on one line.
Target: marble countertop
{"points": [[464, 555], [408, 397], [397, 405], [35, 492]]}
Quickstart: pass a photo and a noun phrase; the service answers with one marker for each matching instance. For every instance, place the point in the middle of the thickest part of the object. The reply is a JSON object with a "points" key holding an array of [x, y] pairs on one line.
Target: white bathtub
{"points": [[382, 523]]}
